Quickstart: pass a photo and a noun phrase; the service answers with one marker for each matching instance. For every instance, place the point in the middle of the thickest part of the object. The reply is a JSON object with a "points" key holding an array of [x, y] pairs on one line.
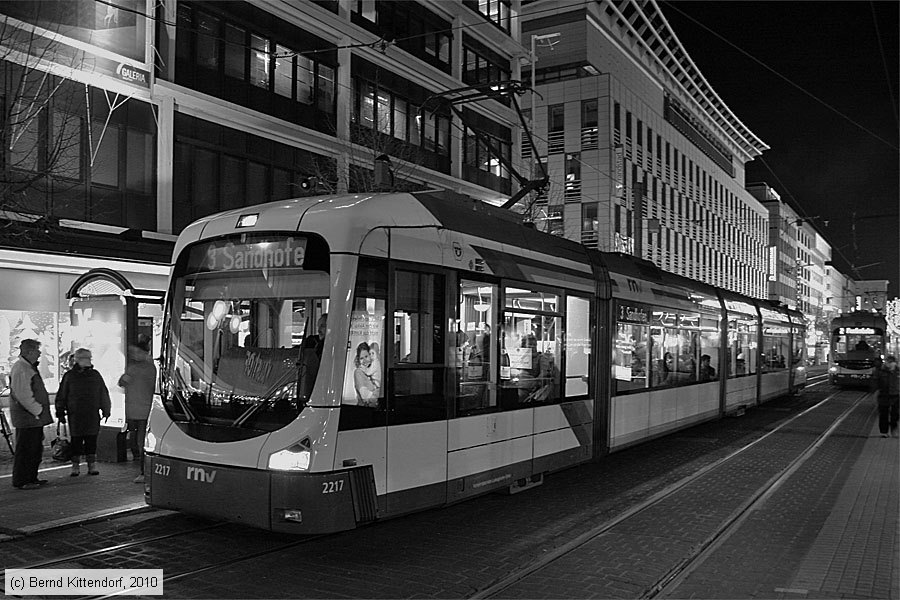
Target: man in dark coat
{"points": [[81, 399], [29, 409]]}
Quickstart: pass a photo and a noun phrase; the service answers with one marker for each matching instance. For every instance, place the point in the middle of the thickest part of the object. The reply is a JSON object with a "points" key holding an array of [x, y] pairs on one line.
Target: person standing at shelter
{"points": [[139, 382], [29, 409], [888, 397], [82, 397]]}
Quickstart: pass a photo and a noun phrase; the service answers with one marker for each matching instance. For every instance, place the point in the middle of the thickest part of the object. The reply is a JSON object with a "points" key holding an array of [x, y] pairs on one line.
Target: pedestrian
{"points": [[139, 381], [29, 409], [888, 397], [82, 398]]}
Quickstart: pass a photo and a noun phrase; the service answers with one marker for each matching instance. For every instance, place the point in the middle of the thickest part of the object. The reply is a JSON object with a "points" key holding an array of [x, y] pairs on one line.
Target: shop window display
{"points": [[51, 329]]}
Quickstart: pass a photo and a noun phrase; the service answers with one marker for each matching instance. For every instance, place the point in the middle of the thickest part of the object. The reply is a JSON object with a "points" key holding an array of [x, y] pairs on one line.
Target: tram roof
{"points": [[859, 318], [345, 220]]}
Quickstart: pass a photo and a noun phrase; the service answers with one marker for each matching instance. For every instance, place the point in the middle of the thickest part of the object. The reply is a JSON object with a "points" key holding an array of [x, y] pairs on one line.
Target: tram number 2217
{"points": [[159, 469], [330, 487]]}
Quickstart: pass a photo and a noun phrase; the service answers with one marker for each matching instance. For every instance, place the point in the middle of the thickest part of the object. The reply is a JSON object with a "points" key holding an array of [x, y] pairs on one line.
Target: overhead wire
{"points": [[807, 217], [674, 6], [887, 75]]}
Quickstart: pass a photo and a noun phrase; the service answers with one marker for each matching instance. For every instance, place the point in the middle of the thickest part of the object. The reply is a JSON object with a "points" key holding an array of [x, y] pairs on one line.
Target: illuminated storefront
{"points": [[33, 305]]}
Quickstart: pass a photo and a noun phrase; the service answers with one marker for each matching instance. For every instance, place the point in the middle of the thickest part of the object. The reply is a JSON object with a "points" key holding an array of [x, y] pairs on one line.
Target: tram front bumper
{"points": [[290, 502]]}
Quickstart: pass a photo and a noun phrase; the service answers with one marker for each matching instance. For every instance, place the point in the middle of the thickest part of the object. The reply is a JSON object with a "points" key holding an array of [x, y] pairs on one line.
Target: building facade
{"points": [[869, 294], [782, 263], [126, 121], [643, 155]]}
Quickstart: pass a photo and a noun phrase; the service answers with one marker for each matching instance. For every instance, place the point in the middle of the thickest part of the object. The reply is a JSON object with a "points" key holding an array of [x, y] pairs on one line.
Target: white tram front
{"points": [[462, 353]]}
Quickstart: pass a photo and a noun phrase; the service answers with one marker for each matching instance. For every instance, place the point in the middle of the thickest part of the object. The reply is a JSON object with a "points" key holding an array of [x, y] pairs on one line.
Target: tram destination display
{"points": [[248, 253]]}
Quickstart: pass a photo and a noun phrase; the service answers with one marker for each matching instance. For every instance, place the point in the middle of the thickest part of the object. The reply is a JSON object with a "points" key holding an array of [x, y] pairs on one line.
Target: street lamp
{"points": [[551, 39]]}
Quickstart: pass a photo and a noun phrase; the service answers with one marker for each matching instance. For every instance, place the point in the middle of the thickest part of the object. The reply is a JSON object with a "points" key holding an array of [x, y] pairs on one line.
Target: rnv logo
{"points": [[199, 474]]}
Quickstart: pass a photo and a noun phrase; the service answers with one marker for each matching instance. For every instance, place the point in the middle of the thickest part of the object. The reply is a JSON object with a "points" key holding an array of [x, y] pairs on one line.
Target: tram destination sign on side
{"points": [[231, 255]]}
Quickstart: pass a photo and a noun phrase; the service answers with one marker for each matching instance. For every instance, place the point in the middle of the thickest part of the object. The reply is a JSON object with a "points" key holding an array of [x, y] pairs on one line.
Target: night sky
{"points": [[823, 163]]}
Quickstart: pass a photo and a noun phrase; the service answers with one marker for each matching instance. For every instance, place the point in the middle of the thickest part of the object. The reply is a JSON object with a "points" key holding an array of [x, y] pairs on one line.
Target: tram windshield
{"points": [[242, 321], [858, 343]]}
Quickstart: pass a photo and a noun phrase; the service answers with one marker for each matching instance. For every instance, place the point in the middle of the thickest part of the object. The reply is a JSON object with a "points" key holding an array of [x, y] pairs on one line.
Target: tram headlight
{"points": [[832, 369], [295, 458], [150, 442]]}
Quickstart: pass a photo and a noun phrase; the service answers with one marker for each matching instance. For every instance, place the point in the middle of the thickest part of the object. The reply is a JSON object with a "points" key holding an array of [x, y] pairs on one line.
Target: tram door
{"points": [[415, 395]]}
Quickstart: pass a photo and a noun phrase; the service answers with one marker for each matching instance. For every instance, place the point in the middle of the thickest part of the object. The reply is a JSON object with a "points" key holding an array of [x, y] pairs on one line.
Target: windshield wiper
{"points": [[179, 397], [265, 400]]}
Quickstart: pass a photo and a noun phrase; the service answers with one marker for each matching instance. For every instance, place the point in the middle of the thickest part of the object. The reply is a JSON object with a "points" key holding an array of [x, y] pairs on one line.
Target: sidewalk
{"points": [[64, 499], [857, 551], [852, 551]]}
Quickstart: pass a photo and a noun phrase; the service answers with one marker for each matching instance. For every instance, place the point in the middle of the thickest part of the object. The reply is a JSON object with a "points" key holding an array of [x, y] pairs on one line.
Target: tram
{"points": [[462, 353], [857, 340]]}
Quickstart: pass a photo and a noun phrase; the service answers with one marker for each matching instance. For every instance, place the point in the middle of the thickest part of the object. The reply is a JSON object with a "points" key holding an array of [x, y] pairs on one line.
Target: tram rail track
{"points": [[219, 565], [12, 535], [115, 547], [177, 571], [677, 572], [113, 553]]}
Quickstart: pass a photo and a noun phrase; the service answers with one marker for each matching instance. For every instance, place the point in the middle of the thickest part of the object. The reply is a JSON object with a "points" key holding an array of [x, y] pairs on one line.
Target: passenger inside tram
{"points": [[311, 356], [707, 371], [664, 370]]}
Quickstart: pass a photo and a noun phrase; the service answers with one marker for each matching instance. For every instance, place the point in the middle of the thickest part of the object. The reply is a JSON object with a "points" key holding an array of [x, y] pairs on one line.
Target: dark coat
{"points": [[139, 382], [888, 385], [81, 398], [25, 375]]}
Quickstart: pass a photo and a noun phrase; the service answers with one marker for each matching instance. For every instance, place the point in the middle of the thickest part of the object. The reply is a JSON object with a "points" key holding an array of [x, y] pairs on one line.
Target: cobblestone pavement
{"points": [[831, 532], [629, 559], [456, 551]]}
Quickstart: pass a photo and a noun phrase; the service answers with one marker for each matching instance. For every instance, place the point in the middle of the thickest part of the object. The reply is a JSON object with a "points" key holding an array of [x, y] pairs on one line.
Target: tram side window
{"points": [[476, 380], [416, 392], [630, 357], [531, 341], [578, 346], [672, 351], [709, 348], [799, 339], [776, 347], [364, 375], [742, 356], [687, 348], [684, 348]]}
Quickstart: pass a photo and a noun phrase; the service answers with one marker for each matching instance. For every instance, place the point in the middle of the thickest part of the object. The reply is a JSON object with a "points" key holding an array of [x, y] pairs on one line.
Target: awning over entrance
{"points": [[144, 287]]}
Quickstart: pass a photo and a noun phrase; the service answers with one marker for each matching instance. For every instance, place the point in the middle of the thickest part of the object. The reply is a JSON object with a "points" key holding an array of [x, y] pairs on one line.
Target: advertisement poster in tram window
{"points": [[98, 324], [626, 354], [364, 376]]}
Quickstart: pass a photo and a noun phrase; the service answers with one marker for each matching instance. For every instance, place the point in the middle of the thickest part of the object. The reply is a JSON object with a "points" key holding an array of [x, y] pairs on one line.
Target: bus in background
{"points": [[857, 340]]}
